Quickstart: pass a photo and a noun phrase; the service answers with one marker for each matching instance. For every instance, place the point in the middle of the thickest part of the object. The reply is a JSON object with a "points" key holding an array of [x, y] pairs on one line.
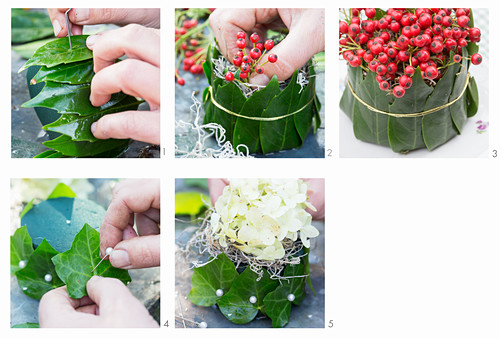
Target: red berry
{"points": [[272, 58], [353, 29], [255, 53], [193, 42], [398, 91], [405, 81], [254, 37], [181, 81], [431, 72], [241, 35], [243, 75], [474, 32], [384, 85], [457, 58], [237, 61], [463, 21], [409, 71], [343, 27], [229, 76], [260, 46], [245, 68], [269, 44], [476, 59], [259, 70], [355, 61], [241, 43], [370, 12]]}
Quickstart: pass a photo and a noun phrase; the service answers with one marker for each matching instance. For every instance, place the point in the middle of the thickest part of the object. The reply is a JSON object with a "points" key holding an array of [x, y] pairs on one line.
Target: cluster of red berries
{"points": [[248, 63], [191, 48], [405, 38]]}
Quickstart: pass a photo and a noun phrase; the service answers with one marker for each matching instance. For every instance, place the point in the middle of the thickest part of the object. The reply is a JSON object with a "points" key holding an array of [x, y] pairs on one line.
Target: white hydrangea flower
{"points": [[256, 215]]}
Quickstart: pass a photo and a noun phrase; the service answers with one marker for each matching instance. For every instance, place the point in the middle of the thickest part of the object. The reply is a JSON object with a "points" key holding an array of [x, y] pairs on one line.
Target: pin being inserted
{"points": [[108, 252]]}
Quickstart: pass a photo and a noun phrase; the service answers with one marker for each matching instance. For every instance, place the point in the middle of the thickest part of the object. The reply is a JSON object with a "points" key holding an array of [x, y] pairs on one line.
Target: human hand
{"points": [[109, 304], [138, 75], [139, 200], [306, 36], [149, 17], [316, 193]]}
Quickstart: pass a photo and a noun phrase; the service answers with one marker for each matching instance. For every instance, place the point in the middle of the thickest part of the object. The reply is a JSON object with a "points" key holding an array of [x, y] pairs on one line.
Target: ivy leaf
{"points": [[235, 304], [58, 220], [75, 266], [26, 50], [61, 190], [220, 273], [31, 278], [277, 305], [73, 73], [21, 248], [58, 52], [190, 203]]}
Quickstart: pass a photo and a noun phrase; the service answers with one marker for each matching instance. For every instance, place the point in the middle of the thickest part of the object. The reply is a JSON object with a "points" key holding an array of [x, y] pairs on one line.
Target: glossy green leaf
{"points": [[369, 126], [190, 203], [75, 266], [247, 131], [29, 25], [26, 50], [58, 220], [31, 278], [78, 127], [21, 248], [68, 147], [230, 97], [61, 190], [355, 76], [220, 273], [58, 52], [236, 306], [74, 99], [472, 97], [438, 127], [277, 305], [26, 208], [73, 73], [405, 133], [281, 134], [26, 326], [304, 118], [459, 109]]}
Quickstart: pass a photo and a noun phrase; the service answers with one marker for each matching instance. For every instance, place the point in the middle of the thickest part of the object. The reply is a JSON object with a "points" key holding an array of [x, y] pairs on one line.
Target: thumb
{"points": [[106, 291], [293, 52], [136, 253]]}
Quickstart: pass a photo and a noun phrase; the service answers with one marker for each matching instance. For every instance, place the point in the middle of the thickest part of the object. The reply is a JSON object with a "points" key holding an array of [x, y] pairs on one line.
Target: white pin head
{"points": [[203, 325], [252, 299], [48, 278], [22, 264], [109, 251], [291, 297], [219, 293]]}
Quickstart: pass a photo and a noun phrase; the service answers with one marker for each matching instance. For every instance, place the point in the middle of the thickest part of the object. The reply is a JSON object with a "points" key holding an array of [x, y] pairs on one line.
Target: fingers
{"points": [[306, 38], [215, 187], [133, 77], [149, 17], [138, 125], [129, 197], [137, 253], [59, 22], [135, 41]]}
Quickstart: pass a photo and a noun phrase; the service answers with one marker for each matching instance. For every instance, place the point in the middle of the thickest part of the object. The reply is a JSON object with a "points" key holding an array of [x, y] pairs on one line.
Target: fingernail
{"points": [[57, 27], [119, 259], [93, 127], [93, 279], [81, 14], [91, 40], [261, 80]]}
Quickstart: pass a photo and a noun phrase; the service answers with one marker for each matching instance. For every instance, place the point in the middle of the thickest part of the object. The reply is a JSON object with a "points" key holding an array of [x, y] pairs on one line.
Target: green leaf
{"points": [[26, 50], [61, 190], [31, 279], [303, 120], [472, 97], [58, 220], [235, 304], [78, 127], [459, 109], [75, 266], [190, 203], [26, 326], [58, 52], [74, 99], [247, 131], [277, 305], [73, 73], [201, 183], [369, 126], [68, 147], [438, 127], [281, 134], [26, 208], [405, 133], [220, 273], [21, 248], [27, 25], [355, 76]]}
